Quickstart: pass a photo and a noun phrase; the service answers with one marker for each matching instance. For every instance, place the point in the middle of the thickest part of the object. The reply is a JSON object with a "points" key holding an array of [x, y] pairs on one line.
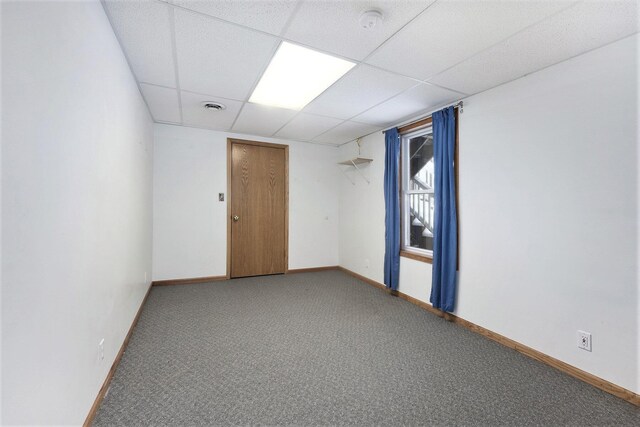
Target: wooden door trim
{"points": [[229, 208], [258, 143], [286, 209], [230, 142]]}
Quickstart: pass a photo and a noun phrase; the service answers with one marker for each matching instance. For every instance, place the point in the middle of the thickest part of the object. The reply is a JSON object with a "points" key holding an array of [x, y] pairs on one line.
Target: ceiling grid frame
{"points": [[538, 22], [318, 96], [287, 24], [427, 81], [257, 80], [385, 41], [126, 57], [283, 39], [174, 53], [355, 121], [576, 5]]}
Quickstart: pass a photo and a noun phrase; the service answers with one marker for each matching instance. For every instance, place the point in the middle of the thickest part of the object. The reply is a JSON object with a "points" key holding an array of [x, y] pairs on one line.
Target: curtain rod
{"points": [[459, 105]]}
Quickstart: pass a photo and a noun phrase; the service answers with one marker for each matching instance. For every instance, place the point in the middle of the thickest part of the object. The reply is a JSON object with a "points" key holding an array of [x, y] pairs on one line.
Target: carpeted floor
{"points": [[325, 349]]}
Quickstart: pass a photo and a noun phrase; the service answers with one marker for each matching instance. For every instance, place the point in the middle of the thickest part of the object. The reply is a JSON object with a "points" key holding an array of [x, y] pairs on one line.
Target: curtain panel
{"points": [[392, 210], [445, 235]]}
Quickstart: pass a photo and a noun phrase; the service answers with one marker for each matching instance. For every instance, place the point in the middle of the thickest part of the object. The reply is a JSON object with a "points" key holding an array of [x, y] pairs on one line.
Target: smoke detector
{"points": [[214, 106], [370, 18]]}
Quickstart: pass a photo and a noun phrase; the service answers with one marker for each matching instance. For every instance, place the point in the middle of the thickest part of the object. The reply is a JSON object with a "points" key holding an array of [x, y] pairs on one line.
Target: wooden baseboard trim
{"points": [[194, 280], [312, 269], [188, 281], [363, 278], [578, 373], [584, 376], [105, 385]]}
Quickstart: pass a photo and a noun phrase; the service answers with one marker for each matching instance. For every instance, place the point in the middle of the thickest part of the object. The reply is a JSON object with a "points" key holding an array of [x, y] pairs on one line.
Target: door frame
{"points": [[230, 142]]}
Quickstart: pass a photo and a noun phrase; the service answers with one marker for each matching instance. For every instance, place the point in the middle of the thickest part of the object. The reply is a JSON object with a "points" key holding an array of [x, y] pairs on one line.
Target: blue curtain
{"points": [[445, 234], [392, 210]]}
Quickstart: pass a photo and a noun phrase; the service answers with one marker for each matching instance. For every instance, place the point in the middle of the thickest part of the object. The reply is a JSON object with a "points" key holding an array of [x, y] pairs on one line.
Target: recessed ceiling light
{"points": [[296, 75]]}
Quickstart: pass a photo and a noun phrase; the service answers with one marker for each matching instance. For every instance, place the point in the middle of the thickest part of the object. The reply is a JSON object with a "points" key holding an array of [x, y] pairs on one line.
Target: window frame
{"points": [[406, 250], [405, 130]]}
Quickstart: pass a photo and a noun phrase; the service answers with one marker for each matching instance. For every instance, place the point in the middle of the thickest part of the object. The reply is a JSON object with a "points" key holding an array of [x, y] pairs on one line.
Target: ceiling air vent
{"points": [[214, 106]]}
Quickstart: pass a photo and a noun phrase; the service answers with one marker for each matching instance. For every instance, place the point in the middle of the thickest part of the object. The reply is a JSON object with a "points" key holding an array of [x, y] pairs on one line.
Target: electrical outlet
{"points": [[584, 340], [101, 347]]}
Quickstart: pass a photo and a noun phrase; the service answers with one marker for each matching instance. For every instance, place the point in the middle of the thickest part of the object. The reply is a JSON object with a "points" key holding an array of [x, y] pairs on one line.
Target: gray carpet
{"points": [[325, 349]]}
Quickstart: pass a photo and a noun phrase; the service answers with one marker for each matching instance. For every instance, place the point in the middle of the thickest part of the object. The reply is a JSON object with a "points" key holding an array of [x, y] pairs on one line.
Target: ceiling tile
{"points": [[270, 16], [332, 25], [408, 104], [358, 91], [194, 114], [145, 33], [219, 58], [261, 119], [563, 36], [345, 132], [163, 103], [451, 31], [305, 127]]}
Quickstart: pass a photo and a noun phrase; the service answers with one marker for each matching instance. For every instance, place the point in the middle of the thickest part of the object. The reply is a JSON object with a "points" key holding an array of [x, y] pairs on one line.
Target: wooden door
{"points": [[258, 208]]}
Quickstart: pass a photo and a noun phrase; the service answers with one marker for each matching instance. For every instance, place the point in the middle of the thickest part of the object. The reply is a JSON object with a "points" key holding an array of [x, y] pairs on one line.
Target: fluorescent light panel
{"points": [[296, 75]]}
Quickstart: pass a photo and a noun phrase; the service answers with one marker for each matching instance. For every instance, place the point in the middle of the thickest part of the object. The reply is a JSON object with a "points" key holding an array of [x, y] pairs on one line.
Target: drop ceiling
{"points": [[423, 55]]}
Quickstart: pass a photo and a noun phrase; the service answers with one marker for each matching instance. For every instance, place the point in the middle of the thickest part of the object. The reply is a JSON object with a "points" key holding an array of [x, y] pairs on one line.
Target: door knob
{"points": [[236, 218]]}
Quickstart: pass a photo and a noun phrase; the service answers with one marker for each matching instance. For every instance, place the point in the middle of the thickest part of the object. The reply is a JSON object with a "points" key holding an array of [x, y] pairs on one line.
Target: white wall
{"points": [[361, 244], [190, 228], [76, 207], [548, 212]]}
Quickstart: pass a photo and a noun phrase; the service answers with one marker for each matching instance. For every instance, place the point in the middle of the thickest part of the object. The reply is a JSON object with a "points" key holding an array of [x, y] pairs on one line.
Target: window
{"points": [[418, 196]]}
